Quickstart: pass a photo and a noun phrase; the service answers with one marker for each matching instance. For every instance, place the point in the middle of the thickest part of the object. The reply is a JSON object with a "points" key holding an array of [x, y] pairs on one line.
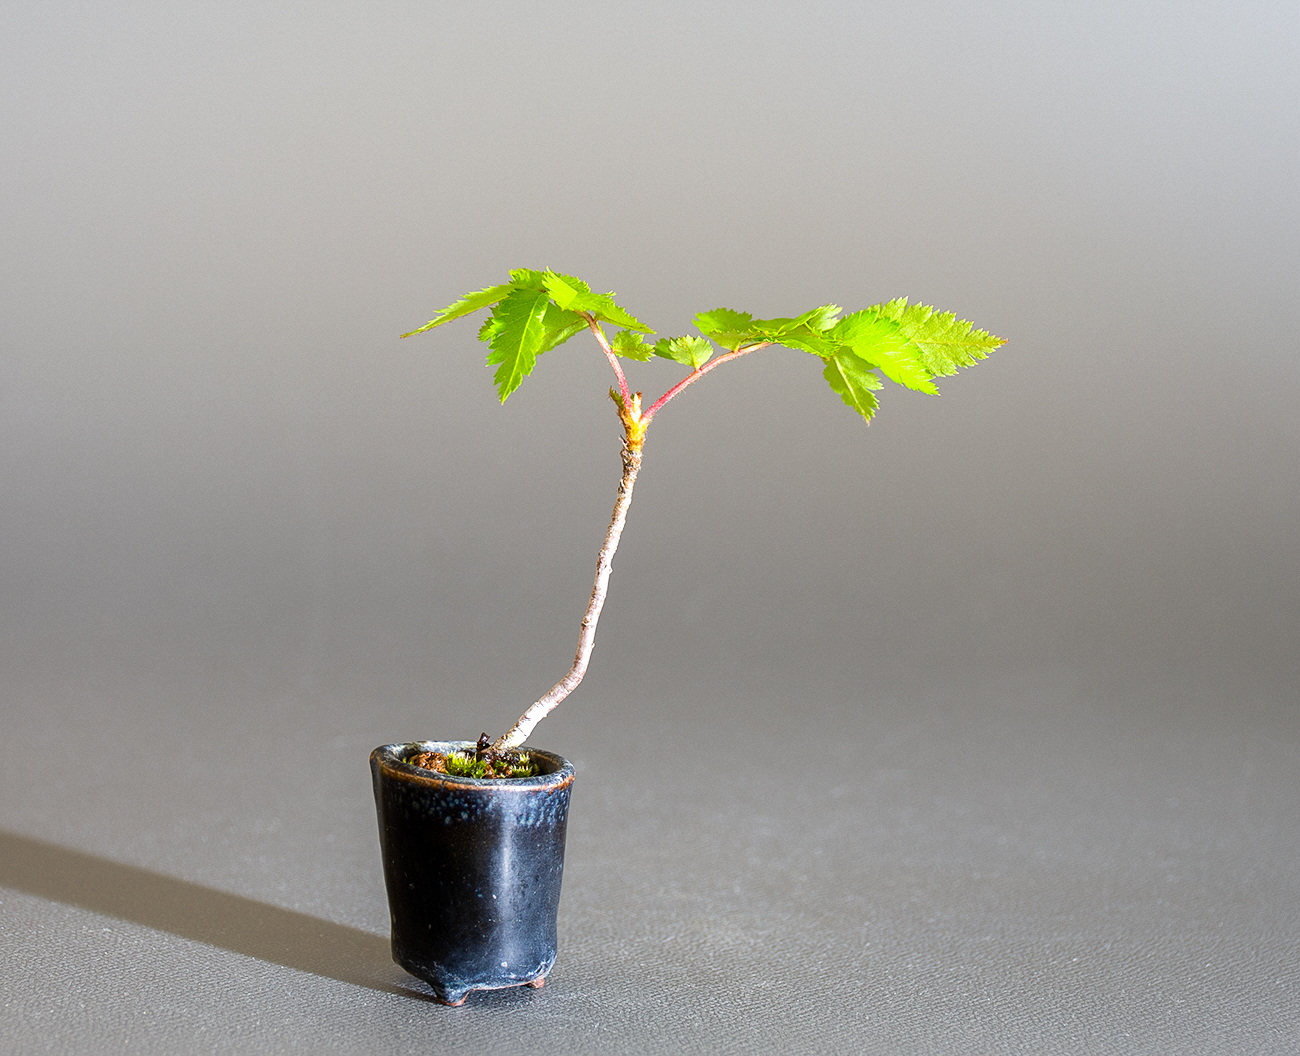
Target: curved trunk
{"points": [[518, 733]]}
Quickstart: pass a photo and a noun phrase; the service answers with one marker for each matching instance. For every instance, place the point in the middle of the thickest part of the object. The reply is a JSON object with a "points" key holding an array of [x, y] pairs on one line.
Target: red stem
{"points": [[609, 354], [698, 373]]}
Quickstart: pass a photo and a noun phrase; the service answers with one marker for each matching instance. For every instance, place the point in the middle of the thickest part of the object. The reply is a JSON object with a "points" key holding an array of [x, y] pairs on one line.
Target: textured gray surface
{"points": [[1019, 667], [1018, 868]]}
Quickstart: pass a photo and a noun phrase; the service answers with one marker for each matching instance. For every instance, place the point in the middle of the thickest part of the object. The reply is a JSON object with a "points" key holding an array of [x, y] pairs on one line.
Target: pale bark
{"points": [[520, 731]]}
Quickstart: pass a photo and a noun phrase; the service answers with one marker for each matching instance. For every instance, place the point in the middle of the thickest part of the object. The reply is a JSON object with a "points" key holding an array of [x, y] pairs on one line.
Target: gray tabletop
{"points": [[977, 730], [968, 870]]}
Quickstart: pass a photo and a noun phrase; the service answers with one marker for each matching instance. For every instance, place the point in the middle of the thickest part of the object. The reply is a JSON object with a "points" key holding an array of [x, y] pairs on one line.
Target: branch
{"points": [[609, 354], [634, 424], [518, 733], [698, 373]]}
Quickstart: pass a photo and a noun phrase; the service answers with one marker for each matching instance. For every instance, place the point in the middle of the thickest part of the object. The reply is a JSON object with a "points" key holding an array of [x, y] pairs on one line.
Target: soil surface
{"points": [[482, 763]]}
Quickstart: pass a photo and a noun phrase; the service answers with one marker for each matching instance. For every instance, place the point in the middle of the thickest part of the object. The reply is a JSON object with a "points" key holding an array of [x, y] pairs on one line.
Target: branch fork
{"points": [[635, 424]]}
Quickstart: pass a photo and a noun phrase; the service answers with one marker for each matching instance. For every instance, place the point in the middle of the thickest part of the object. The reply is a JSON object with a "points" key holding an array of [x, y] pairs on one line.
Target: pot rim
{"points": [[389, 758]]}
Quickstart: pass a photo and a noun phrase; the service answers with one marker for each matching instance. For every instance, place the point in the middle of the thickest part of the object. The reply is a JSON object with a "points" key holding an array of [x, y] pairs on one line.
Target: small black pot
{"points": [[473, 868]]}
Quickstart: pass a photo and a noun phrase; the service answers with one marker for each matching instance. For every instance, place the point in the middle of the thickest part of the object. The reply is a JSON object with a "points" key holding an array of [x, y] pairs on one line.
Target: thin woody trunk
{"points": [[519, 732]]}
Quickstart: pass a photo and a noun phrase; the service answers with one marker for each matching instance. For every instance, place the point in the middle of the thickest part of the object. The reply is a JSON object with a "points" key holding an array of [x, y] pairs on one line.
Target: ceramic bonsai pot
{"points": [[473, 868]]}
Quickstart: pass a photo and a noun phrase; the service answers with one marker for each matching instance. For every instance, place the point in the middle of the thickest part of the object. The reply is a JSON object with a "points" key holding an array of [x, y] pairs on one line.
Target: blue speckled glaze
{"points": [[473, 868]]}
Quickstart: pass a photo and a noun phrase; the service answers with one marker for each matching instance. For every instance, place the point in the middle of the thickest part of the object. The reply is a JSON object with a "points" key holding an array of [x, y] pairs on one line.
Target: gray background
{"points": [[1005, 684]]}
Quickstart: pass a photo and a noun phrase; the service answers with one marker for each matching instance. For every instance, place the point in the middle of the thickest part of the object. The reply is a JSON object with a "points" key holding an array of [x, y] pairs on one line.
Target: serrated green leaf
{"points": [[602, 306], [528, 279], [806, 340], [518, 337], [772, 328], [945, 342], [822, 318], [729, 329], [564, 289], [817, 320], [852, 380], [803, 338], [879, 342], [575, 295], [629, 344], [692, 351], [804, 332], [471, 302], [559, 326], [733, 330]]}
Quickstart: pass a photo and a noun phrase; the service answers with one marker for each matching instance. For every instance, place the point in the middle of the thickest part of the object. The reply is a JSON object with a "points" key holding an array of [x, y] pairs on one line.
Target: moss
{"points": [[487, 764]]}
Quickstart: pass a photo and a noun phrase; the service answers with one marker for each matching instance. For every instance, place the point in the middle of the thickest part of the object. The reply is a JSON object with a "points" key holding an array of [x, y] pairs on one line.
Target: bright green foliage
{"points": [[820, 319], [945, 342], [733, 330], [853, 380], [729, 329], [629, 344], [560, 326], [575, 295], [471, 302], [534, 312], [909, 344], [878, 341], [517, 337], [528, 279], [804, 332], [692, 351], [557, 326]]}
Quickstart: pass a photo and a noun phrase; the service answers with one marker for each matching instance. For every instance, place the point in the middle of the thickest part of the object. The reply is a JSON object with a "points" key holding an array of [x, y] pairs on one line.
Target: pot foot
{"points": [[456, 1000]]}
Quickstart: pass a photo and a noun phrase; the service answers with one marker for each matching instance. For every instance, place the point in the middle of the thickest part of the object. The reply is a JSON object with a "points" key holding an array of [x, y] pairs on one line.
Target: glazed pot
{"points": [[473, 868]]}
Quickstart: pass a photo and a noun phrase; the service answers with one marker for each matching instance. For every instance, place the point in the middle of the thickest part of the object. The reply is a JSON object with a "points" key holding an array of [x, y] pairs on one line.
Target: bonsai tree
{"points": [[535, 311]]}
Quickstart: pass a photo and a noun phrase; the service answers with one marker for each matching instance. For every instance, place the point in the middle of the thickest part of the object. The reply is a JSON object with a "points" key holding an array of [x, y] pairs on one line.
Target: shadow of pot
{"points": [[473, 868]]}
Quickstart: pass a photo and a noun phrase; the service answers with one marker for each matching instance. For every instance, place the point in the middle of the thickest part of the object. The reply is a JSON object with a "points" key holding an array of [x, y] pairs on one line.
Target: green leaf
{"points": [[575, 295], [629, 344], [733, 330], [729, 329], [528, 279], [817, 320], [853, 381], [801, 337], [804, 332], [471, 302], [602, 306], [805, 340], [822, 318], [945, 342], [519, 335], [564, 289], [559, 326], [692, 351], [878, 341]]}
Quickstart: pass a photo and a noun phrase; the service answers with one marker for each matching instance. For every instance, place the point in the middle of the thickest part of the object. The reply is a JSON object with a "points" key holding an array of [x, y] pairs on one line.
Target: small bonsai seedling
{"points": [[473, 901], [535, 311]]}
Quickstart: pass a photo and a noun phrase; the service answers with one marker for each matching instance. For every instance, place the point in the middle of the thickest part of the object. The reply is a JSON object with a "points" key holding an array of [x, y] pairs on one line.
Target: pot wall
{"points": [[473, 869]]}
